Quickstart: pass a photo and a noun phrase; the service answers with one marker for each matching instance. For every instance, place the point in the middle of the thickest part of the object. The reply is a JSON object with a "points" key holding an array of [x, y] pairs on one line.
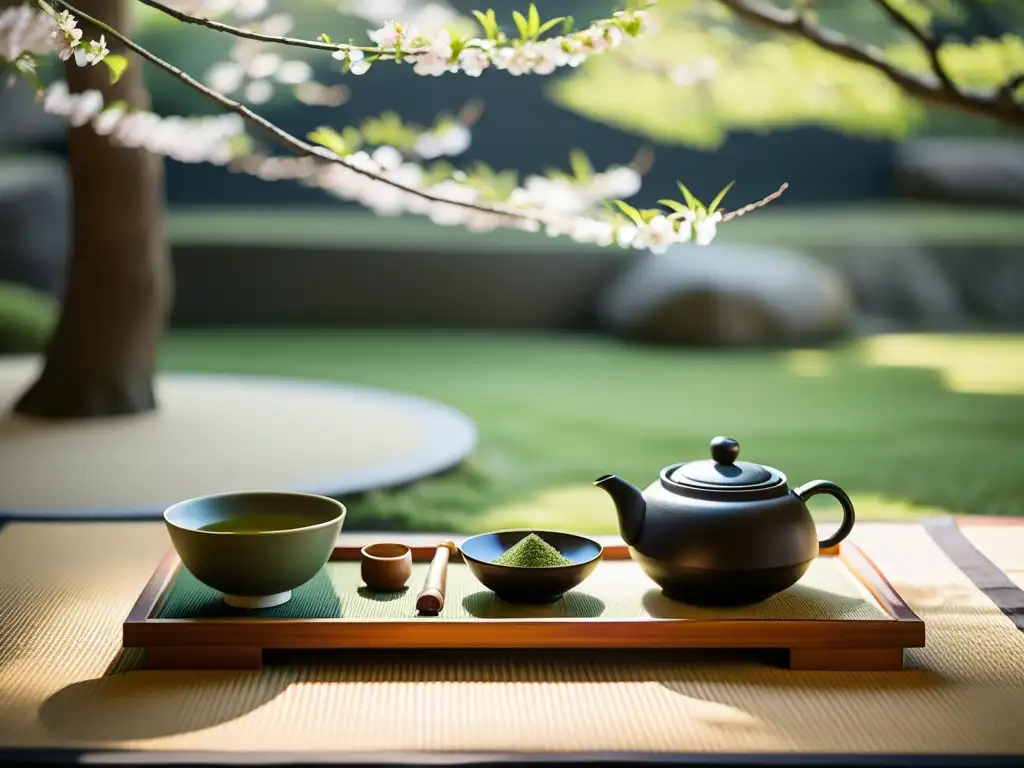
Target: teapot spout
{"points": [[630, 504]]}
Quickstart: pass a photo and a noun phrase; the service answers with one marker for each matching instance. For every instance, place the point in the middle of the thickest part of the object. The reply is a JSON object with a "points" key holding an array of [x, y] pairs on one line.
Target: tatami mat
{"points": [[65, 589], [1005, 552]]}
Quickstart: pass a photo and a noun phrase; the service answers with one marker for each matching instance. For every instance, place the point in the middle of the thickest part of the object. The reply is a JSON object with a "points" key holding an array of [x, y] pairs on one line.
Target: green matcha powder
{"points": [[532, 552]]}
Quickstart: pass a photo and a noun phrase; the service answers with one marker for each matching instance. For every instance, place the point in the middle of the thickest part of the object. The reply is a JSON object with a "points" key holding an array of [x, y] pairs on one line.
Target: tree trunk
{"points": [[101, 359]]}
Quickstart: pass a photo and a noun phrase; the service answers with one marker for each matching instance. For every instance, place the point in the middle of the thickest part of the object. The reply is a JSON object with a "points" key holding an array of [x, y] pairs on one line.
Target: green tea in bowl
{"points": [[532, 552]]}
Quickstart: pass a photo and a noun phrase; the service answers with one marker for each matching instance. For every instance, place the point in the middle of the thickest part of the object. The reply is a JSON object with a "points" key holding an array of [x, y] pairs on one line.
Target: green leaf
{"points": [[557, 174], [326, 38], [675, 205], [117, 65], [693, 202], [352, 138], [635, 215], [521, 24], [567, 25], [488, 22], [241, 144], [534, 21], [650, 213], [330, 138], [719, 197], [549, 25], [580, 164]]}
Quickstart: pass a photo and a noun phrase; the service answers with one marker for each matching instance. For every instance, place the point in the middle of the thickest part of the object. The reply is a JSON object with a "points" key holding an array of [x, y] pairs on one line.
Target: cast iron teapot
{"points": [[722, 532]]}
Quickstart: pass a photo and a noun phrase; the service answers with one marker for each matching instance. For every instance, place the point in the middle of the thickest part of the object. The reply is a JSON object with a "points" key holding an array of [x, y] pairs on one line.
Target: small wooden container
{"points": [[385, 567]]}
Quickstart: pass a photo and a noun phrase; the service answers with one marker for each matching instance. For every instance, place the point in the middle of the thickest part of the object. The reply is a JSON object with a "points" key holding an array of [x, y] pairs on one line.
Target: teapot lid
{"points": [[723, 470]]}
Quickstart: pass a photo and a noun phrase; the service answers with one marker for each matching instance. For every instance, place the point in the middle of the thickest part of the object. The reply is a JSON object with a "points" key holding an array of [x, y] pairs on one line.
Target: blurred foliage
{"points": [[704, 72], [27, 317], [734, 76]]}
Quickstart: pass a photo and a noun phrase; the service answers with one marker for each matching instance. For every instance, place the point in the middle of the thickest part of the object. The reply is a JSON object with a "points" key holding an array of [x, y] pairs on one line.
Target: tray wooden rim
{"points": [[903, 628]]}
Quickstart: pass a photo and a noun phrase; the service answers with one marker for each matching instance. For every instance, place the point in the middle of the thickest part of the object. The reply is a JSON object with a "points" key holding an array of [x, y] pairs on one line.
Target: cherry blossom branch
{"points": [[288, 140], [560, 203], [930, 44], [249, 34], [398, 42], [1001, 105], [727, 215]]}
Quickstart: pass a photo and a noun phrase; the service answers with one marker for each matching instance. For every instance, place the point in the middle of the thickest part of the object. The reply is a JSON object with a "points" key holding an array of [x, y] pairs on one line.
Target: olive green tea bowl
{"points": [[255, 547]]}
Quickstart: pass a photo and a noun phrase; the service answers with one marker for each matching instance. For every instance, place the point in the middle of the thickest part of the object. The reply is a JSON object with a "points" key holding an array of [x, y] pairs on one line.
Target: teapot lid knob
{"points": [[724, 450]]}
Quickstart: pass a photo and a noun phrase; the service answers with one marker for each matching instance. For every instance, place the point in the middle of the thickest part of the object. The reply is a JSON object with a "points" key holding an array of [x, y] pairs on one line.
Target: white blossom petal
{"points": [[360, 67]]}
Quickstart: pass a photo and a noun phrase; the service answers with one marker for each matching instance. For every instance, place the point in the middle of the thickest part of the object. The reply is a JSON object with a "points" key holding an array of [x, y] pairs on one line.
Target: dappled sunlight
{"points": [[991, 365], [517, 711], [809, 362]]}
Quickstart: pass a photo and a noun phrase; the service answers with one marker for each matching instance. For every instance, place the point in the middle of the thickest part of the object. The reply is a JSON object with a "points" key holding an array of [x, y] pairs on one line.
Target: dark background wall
{"points": [[521, 129]]}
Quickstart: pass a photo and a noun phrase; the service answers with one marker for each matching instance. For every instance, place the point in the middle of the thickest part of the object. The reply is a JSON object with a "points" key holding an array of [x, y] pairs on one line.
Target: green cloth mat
{"points": [[616, 589], [191, 599]]}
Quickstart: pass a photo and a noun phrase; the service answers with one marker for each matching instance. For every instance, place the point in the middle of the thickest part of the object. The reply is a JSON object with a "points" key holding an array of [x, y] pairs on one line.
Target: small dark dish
{"points": [[530, 585]]}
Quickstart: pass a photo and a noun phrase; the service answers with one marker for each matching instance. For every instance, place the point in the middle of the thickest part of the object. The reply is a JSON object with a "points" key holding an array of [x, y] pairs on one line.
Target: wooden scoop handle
{"points": [[431, 598]]}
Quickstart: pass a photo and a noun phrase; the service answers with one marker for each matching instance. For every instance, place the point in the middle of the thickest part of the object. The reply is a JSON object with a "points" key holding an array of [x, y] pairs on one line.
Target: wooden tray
{"points": [[843, 615]]}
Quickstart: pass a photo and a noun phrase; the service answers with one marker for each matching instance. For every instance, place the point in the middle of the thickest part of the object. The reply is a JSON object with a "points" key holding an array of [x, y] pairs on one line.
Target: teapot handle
{"points": [[816, 487]]}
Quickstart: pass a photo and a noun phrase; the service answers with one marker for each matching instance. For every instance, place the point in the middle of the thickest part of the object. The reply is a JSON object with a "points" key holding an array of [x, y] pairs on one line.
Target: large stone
{"points": [[728, 295], [989, 281], [35, 219], [942, 287], [905, 285], [962, 171]]}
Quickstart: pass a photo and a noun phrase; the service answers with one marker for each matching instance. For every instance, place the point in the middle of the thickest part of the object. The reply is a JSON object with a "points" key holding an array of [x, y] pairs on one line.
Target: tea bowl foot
{"points": [[261, 601]]}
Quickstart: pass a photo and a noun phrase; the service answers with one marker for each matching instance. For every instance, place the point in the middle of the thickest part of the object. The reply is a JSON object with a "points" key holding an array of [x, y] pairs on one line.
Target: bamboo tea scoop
{"points": [[431, 598]]}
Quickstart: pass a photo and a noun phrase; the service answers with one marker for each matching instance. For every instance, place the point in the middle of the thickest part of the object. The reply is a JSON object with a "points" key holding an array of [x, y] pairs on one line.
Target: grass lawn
{"points": [[910, 426], [888, 224]]}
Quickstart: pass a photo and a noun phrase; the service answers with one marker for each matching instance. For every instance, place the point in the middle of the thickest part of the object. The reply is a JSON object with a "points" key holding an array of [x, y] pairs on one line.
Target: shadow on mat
{"points": [[148, 705]]}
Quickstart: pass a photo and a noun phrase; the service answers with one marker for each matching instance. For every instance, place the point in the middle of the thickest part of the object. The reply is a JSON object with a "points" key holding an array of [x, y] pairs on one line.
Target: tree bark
{"points": [[101, 359]]}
